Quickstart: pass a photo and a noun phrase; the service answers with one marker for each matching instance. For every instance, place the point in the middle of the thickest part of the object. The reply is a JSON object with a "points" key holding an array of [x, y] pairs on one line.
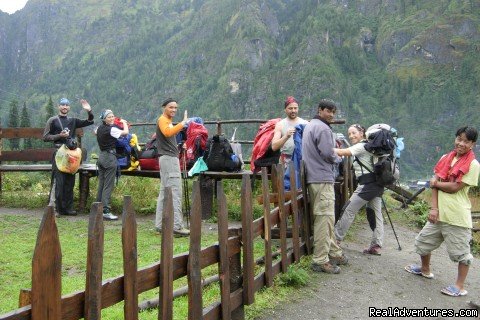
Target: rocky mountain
{"points": [[413, 64]]}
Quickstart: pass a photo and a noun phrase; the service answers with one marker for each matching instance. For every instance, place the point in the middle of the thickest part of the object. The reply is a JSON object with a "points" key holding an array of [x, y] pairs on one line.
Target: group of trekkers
{"points": [[449, 219]]}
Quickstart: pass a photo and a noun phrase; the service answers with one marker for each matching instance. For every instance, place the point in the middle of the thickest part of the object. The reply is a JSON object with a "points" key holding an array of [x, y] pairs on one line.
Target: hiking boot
{"points": [[109, 216], [181, 232], [339, 261], [374, 249], [326, 267]]}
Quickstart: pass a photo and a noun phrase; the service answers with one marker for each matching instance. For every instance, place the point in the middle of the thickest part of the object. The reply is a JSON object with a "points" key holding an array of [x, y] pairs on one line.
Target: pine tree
{"points": [[49, 112], [13, 123], [25, 123]]}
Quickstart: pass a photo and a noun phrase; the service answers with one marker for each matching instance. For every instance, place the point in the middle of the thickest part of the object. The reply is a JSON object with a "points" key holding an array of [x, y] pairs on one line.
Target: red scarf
{"points": [[445, 171]]}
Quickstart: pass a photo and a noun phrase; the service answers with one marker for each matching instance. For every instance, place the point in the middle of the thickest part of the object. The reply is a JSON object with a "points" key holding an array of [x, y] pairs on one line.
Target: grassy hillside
{"points": [[410, 63]]}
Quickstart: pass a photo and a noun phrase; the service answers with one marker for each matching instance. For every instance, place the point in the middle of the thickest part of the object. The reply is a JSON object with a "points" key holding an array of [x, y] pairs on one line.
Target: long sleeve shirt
{"points": [[166, 132]]}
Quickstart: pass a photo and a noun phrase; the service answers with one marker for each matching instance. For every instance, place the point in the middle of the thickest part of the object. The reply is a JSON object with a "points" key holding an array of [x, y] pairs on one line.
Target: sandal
{"points": [[373, 250], [453, 291], [417, 270]]}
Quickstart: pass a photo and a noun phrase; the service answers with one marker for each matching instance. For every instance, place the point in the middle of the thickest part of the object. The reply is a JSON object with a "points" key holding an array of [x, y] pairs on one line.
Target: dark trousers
{"points": [[64, 183], [107, 169]]}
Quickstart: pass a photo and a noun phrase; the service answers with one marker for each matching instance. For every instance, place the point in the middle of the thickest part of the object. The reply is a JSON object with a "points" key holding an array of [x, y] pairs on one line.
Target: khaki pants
{"points": [[322, 197], [170, 176]]}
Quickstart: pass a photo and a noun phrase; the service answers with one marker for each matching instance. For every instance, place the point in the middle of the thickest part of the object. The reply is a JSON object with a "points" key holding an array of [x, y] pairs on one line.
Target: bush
{"points": [[296, 276], [421, 209]]}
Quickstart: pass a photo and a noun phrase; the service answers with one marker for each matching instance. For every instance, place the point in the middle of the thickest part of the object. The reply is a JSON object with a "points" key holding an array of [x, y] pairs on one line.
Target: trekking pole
{"points": [[388, 215], [185, 187]]}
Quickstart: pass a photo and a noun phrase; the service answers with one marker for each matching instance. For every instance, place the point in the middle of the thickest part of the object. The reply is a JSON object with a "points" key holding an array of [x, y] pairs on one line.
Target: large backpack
{"points": [[219, 155], [126, 149], [195, 144], [381, 143], [262, 153]]}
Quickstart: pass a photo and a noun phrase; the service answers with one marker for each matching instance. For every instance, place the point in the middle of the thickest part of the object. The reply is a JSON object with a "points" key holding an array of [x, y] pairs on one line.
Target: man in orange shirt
{"points": [[170, 173]]}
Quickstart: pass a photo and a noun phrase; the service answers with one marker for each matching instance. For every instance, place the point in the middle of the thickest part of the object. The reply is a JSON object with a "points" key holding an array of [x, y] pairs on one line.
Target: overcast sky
{"points": [[10, 6]]}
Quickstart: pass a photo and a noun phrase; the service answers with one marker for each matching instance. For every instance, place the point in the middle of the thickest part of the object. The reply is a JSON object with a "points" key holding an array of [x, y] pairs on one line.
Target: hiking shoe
{"points": [[326, 267], [109, 216], [374, 249], [339, 261], [181, 232]]}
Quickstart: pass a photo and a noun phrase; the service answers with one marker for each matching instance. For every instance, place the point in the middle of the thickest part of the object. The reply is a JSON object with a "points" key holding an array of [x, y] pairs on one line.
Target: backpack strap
{"points": [[367, 177]]}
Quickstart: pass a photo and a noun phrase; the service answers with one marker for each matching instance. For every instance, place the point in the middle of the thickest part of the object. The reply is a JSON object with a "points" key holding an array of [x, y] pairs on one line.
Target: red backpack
{"points": [[196, 142], [262, 142]]}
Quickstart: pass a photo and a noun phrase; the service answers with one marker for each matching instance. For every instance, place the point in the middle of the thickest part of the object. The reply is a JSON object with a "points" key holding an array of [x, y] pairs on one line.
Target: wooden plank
{"points": [[46, 271], [194, 275], [306, 213], [166, 270], [28, 155], [25, 298], [267, 229], [283, 216], [130, 260], [273, 197], [223, 266], [25, 167], [12, 133], [294, 206], [247, 240], [93, 289]]}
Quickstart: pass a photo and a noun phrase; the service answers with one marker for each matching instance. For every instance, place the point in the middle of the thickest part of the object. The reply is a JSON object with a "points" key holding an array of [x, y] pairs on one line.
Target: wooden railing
{"points": [[233, 254]]}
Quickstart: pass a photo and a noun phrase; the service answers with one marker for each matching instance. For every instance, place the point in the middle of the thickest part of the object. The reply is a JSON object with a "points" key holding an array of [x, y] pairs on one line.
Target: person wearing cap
{"points": [[283, 134], [57, 129], [107, 135], [170, 173], [319, 158]]}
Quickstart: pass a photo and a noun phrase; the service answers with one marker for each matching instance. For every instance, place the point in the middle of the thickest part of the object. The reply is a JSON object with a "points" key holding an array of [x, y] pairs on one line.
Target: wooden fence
{"points": [[233, 254]]}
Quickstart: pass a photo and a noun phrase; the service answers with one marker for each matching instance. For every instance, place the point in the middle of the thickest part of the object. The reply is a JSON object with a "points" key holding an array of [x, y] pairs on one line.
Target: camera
{"points": [[66, 130]]}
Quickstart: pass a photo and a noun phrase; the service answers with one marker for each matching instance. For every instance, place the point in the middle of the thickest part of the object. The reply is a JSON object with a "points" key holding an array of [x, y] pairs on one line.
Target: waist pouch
{"points": [[367, 178]]}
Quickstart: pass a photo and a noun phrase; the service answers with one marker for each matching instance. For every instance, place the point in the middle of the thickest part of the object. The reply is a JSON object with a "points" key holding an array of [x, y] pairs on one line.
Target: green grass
{"points": [[19, 238]]}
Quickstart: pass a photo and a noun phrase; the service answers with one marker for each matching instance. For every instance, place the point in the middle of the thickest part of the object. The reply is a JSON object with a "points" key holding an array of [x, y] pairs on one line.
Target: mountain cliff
{"points": [[413, 64]]}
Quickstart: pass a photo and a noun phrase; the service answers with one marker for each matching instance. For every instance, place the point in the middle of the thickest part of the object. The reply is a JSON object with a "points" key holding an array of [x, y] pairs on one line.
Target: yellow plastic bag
{"points": [[68, 161]]}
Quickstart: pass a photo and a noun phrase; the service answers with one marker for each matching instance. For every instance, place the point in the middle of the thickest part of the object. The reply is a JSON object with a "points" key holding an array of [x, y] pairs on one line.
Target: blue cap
{"points": [[64, 101]]}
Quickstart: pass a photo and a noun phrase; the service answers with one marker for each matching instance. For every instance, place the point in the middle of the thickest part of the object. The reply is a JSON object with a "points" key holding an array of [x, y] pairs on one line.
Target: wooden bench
{"points": [[30, 159]]}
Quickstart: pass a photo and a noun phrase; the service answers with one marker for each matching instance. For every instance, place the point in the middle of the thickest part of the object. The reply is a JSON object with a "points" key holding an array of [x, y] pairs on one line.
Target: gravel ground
{"points": [[380, 282]]}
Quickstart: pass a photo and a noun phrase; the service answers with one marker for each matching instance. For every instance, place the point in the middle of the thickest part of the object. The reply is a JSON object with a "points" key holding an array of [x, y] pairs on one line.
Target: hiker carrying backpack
{"points": [[195, 139], [219, 155], [381, 143]]}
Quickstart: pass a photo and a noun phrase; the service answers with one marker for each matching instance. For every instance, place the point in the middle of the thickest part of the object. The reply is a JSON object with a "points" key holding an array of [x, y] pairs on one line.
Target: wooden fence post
{"points": [[93, 289], [206, 191], [306, 217], [24, 298], [294, 206], [46, 271], [166, 263], [194, 269], [282, 217], [247, 240], [267, 227], [130, 260], [223, 266]]}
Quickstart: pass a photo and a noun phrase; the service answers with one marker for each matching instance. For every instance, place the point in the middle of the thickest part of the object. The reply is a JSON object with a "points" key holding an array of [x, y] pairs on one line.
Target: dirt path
{"points": [[380, 282], [368, 281]]}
